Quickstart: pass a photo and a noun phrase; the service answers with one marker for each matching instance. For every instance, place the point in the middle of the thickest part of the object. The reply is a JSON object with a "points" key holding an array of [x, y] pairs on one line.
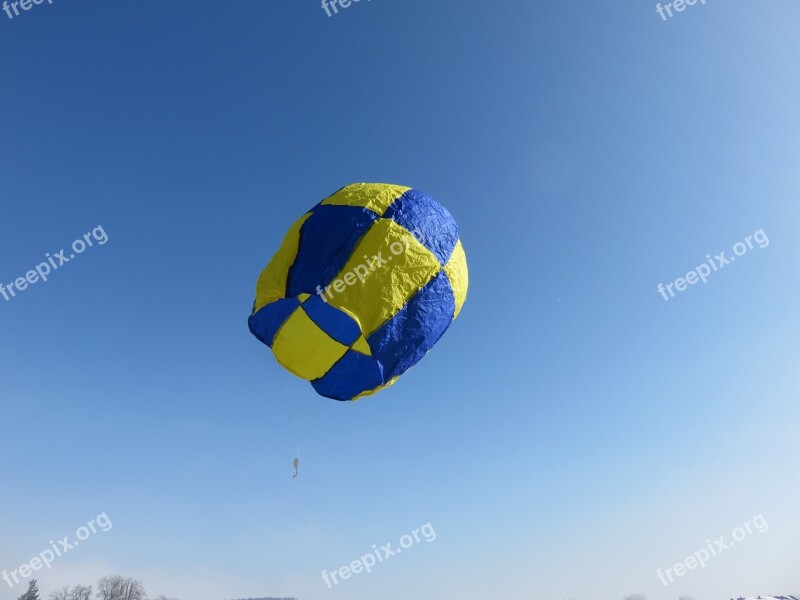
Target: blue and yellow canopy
{"points": [[363, 285]]}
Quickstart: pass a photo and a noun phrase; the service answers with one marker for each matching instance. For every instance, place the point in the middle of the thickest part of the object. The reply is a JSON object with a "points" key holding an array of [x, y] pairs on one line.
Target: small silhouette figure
{"points": [[296, 467]]}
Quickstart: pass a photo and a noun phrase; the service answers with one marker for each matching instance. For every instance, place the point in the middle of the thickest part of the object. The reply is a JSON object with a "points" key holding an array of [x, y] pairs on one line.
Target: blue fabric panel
{"points": [[404, 339], [267, 321], [337, 324], [352, 375], [327, 239], [428, 220]]}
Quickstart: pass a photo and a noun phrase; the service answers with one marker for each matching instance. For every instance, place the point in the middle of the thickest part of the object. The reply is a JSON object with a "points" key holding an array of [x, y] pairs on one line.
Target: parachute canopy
{"points": [[363, 285]]}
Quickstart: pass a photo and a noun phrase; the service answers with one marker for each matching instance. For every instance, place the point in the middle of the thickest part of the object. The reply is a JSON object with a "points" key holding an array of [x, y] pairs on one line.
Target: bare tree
{"points": [[110, 588], [117, 587], [133, 590], [62, 594], [80, 592]]}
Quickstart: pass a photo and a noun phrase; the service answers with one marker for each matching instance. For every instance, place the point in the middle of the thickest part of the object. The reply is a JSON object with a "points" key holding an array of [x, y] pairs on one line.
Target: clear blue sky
{"points": [[570, 434]]}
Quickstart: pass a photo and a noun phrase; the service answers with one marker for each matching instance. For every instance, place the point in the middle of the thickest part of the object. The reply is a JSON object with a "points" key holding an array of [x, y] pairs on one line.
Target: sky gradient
{"points": [[570, 434]]}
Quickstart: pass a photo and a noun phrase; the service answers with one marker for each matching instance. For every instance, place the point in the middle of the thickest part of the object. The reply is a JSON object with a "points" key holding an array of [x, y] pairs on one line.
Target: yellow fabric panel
{"points": [[304, 349], [304, 297], [272, 282], [377, 389], [386, 287], [375, 196], [456, 270], [361, 345]]}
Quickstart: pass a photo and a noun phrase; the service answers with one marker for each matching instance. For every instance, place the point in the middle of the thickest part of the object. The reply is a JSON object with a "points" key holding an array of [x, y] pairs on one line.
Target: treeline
{"points": [[643, 597], [115, 587]]}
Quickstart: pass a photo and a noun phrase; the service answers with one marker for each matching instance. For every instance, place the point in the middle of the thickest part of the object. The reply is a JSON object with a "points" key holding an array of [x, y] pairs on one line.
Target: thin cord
{"points": [[319, 412], [298, 440], [279, 377]]}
